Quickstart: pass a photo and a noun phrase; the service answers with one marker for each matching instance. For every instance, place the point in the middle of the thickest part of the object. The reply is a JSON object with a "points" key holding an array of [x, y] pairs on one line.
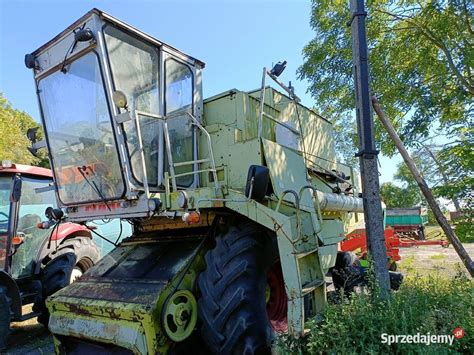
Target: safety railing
{"points": [[262, 112], [196, 162]]}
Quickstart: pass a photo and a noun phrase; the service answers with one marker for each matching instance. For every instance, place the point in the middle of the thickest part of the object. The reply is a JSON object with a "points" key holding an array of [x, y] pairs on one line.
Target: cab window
{"points": [[179, 97], [134, 66]]}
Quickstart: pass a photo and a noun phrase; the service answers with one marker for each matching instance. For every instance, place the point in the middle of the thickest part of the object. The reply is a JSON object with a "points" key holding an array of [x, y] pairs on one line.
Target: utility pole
{"points": [[367, 152]]}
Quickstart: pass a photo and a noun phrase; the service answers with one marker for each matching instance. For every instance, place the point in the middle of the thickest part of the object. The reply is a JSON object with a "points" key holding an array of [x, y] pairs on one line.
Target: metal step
{"points": [[29, 316], [303, 254], [311, 286], [28, 294]]}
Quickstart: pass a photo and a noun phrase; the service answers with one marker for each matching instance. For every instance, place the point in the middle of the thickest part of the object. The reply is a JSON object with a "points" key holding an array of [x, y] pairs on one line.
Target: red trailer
{"points": [[356, 241]]}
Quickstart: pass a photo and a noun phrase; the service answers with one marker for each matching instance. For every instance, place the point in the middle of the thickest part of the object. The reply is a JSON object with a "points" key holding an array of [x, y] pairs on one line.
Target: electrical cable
{"points": [[100, 235]]}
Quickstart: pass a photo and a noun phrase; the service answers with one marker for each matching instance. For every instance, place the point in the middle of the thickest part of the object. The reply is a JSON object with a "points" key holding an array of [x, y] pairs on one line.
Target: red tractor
{"points": [[35, 262]]}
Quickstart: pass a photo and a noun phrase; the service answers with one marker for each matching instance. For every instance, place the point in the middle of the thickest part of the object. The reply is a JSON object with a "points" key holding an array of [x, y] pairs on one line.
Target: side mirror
{"points": [[30, 61], [54, 214], [257, 182], [16, 191], [32, 134]]}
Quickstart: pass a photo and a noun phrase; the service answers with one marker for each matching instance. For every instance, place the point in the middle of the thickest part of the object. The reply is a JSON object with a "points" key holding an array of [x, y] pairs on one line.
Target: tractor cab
{"points": [[121, 112], [25, 193]]}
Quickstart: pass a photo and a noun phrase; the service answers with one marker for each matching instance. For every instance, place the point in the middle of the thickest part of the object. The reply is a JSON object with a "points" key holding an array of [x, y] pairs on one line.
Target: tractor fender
{"points": [[13, 293], [66, 230], [60, 234]]}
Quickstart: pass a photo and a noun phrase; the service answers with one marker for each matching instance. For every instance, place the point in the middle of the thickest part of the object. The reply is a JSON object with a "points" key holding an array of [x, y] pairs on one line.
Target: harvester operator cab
{"points": [[120, 111]]}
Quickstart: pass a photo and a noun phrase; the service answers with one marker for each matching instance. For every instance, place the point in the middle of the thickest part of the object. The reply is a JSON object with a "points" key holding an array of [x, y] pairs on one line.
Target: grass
{"points": [[438, 257], [407, 263], [434, 230], [433, 304]]}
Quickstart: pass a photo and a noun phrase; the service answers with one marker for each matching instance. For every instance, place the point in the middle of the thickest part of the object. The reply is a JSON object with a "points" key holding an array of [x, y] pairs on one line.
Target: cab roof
{"points": [[27, 170], [118, 23]]}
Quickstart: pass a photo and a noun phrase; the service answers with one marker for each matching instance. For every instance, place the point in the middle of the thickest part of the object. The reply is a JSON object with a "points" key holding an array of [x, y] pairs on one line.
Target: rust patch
{"points": [[77, 310]]}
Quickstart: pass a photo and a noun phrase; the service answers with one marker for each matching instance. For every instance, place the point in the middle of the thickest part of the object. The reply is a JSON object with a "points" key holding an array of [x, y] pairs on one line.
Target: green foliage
{"points": [[450, 173], [13, 141], [399, 197], [421, 57], [423, 305]]}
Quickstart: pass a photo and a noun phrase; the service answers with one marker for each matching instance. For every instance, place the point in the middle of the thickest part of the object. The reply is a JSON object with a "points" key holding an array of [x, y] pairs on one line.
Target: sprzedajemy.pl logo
{"points": [[419, 338]]}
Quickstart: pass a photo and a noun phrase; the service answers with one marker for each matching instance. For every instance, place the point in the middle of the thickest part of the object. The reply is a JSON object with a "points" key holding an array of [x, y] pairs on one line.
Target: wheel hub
{"points": [[75, 274], [179, 315]]}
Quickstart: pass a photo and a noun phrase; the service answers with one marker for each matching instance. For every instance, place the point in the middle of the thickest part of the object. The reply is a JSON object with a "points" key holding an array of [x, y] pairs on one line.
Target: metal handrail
{"points": [[172, 165], [142, 153], [298, 215], [262, 113]]}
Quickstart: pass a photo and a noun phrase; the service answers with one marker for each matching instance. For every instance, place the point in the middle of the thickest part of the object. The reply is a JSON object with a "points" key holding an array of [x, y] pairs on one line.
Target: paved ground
{"points": [[32, 338]]}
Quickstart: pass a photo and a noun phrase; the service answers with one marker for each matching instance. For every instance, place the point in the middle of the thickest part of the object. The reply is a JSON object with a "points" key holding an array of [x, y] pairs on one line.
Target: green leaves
{"points": [[399, 197], [433, 305], [420, 55], [13, 140]]}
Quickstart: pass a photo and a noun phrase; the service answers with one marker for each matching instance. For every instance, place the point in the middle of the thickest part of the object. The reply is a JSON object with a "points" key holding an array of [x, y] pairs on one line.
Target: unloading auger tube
{"points": [[338, 202]]}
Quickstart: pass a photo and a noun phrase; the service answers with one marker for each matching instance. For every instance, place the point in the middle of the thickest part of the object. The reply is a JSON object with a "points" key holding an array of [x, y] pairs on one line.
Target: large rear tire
{"points": [[4, 317], [73, 258], [232, 305]]}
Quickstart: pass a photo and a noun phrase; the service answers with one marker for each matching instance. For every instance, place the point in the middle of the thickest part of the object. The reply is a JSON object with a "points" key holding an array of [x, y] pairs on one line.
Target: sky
{"points": [[235, 39]]}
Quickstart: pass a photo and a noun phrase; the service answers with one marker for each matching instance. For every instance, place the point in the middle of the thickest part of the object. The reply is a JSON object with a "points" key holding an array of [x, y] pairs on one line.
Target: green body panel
{"points": [[416, 216], [406, 220]]}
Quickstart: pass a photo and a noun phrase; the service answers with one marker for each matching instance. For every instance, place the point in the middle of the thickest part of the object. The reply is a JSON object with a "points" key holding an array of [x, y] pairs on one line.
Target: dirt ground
{"points": [[29, 337], [32, 338], [426, 259]]}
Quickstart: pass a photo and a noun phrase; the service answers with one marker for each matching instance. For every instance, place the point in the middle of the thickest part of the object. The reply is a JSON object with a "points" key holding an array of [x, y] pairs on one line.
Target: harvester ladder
{"points": [[296, 288], [298, 248], [301, 279]]}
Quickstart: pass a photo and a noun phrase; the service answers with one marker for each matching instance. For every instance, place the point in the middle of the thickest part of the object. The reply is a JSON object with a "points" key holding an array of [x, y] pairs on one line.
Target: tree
{"points": [[13, 140], [421, 58], [398, 197]]}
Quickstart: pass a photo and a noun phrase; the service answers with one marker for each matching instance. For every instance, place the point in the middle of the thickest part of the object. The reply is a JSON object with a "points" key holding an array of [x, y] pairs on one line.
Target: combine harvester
{"points": [[237, 202]]}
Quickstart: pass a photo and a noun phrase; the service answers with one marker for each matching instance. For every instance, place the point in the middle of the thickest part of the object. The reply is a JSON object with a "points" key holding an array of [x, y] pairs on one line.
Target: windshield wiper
{"points": [[70, 50], [80, 35], [92, 183]]}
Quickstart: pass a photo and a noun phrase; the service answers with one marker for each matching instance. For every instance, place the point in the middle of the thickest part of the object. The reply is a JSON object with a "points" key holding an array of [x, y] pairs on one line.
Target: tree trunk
{"points": [[466, 259]]}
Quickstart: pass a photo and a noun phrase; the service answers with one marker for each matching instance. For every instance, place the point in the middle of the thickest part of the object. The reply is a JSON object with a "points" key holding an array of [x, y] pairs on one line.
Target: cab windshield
{"points": [[5, 188], [80, 134], [36, 196]]}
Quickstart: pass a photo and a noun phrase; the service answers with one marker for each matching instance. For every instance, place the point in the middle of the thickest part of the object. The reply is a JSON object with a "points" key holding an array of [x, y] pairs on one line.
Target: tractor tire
{"points": [[86, 251], [73, 258], [232, 305], [4, 317]]}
